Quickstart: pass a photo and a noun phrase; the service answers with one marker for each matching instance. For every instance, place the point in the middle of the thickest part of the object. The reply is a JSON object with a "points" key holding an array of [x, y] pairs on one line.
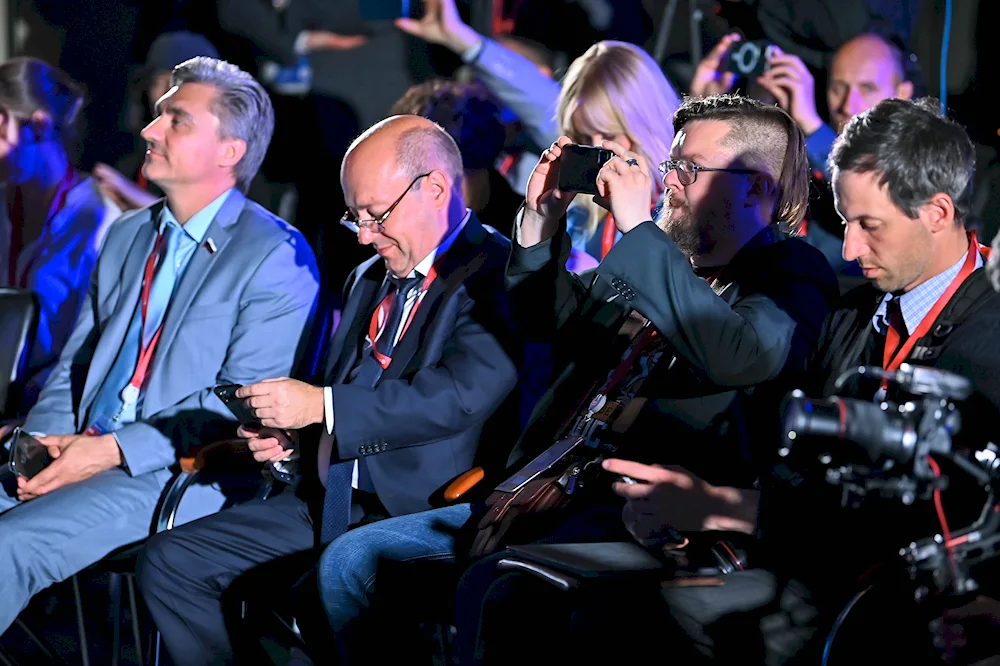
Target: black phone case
{"points": [[28, 456], [579, 166], [238, 406]]}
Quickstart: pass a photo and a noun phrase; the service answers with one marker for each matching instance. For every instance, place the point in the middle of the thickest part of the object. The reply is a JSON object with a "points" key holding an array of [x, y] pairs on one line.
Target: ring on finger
{"points": [[632, 161]]}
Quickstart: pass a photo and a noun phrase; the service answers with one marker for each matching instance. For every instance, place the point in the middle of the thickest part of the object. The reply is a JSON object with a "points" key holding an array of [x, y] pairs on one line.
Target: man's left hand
{"points": [[76, 457], [624, 183], [793, 86], [284, 403]]}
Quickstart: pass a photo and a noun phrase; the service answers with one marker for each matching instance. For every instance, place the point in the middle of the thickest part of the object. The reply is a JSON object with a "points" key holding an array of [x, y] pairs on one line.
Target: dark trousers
{"points": [[196, 577]]}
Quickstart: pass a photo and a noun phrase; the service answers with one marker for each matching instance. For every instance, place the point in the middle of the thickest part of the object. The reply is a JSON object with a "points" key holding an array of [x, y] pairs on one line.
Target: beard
{"points": [[684, 229]]}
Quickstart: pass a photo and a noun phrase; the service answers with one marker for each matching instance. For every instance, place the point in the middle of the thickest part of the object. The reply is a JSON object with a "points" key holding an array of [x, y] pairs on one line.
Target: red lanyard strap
{"points": [[381, 315], [131, 392], [894, 354], [15, 213]]}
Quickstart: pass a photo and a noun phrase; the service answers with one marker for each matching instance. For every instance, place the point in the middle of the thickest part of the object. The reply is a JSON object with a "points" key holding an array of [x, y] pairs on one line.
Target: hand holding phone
{"points": [[28, 456], [238, 406], [579, 166]]}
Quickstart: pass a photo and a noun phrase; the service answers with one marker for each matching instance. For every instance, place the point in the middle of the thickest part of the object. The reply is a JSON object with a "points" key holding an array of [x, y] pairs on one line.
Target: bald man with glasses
{"points": [[423, 357]]}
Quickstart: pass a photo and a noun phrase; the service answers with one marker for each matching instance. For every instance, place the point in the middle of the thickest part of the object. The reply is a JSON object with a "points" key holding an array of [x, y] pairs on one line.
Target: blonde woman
{"points": [[613, 91]]}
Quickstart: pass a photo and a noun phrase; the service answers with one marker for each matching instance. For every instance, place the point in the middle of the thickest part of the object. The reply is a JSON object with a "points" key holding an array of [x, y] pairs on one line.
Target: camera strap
{"points": [[898, 351]]}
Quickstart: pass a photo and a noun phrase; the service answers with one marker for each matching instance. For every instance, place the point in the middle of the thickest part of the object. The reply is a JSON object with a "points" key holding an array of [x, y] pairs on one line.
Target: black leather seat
{"points": [[18, 318]]}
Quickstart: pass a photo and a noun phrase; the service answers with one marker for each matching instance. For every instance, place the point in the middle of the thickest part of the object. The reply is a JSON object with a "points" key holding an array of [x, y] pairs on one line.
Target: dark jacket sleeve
{"points": [[544, 294], [741, 345]]}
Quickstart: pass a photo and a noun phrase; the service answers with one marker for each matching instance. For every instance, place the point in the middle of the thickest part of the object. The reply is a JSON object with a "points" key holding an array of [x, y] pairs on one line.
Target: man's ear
{"points": [[939, 212], [904, 90], [761, 188], [440, 187], [233, 151]]}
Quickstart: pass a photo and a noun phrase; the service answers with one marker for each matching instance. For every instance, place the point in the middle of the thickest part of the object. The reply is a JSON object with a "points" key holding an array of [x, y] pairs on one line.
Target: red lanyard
{"points": [[608, 237], [131, 392], [382, 312], [894, 354], [15, 214]]}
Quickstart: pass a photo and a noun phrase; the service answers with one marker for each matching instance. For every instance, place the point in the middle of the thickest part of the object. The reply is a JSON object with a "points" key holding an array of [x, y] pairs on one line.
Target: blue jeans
{"points": [[347, 568]]}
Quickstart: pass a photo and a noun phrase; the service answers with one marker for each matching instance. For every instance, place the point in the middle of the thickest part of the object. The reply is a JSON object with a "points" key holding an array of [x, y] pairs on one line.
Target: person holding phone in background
{"points": [[202, 287]]}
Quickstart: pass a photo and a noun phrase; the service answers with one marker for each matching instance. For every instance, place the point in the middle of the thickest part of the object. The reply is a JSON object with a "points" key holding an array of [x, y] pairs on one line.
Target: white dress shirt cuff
{"points": [[328, 408]]}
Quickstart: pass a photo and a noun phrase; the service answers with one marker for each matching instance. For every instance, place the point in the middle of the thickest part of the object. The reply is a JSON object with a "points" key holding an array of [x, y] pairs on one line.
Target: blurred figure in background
{"points": [[126, 185], [55, 218]]}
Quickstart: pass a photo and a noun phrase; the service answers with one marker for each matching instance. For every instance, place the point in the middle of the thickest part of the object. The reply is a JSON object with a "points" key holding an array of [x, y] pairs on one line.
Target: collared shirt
{"points": [[194, 234], [194, 229], [916, 303]]}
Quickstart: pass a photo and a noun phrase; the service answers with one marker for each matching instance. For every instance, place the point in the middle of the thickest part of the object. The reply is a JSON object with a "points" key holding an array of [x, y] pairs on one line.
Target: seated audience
{"points": [[55, 217], [424, 356], [650, 354], [905, 224], [202, 288]]}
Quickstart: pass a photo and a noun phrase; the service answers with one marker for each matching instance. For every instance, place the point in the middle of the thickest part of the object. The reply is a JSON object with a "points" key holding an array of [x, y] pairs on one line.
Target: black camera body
{"points": [[749, 59], [891, 450]]}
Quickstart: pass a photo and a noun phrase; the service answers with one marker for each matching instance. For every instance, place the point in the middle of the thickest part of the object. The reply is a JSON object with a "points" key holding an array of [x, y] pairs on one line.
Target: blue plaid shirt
{"points": [[916, 303]]}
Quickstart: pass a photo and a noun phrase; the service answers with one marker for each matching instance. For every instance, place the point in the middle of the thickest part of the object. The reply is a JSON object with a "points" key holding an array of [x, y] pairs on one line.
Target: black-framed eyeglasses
{"points": [[377, 225], [687, 171]]}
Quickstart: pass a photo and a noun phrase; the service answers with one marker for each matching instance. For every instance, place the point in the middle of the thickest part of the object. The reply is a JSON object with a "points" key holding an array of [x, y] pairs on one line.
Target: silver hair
{"points": [[242, 106]]}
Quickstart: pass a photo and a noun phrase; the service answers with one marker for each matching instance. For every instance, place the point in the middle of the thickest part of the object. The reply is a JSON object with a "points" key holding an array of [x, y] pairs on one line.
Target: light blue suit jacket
{"points": [[238, 315]]}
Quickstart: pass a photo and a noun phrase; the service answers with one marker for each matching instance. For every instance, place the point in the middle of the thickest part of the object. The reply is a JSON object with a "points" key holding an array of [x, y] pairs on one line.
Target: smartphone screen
{"points": [[28, 456], [579, 166]]}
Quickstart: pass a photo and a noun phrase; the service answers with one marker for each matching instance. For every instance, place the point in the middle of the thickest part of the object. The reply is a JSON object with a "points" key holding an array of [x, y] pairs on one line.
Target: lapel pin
{"points": [[210, 244]]}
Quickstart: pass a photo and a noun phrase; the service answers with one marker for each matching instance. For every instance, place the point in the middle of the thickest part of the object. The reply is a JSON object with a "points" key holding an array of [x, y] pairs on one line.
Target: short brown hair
{"points": [[769, 140]]}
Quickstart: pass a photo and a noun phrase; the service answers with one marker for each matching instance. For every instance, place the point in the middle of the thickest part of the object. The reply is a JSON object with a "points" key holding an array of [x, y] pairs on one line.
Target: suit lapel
{"points": [[461, 260], [357, 311], [115, 329], [220, 231]]}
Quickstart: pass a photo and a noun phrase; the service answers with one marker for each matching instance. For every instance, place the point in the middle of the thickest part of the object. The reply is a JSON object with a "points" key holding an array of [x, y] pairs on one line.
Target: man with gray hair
{"points": [[423, 357], [198, 289]]}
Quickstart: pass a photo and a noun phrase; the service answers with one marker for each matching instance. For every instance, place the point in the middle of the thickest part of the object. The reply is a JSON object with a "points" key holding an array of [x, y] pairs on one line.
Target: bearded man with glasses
{"points": [[423, 357]]}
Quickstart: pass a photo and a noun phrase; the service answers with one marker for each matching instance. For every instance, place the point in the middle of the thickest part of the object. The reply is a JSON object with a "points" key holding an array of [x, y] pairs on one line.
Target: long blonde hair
{"points": [[617, 88]]}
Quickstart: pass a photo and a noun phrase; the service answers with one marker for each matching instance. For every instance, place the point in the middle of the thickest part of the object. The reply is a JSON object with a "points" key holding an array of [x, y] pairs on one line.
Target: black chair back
{"points": [[18, 318]]}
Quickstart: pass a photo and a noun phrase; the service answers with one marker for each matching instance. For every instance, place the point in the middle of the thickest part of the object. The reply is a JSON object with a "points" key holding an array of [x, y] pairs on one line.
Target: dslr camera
{"points": [[893, 449]]}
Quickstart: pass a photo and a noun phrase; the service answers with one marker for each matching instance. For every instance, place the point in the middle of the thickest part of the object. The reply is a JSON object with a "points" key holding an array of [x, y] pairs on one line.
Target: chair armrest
{"points": [[221, 455], [214, 456], [464, 483]]}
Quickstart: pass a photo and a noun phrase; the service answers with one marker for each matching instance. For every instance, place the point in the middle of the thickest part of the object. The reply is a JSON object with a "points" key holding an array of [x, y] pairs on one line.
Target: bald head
{"points": [[414, 144], [865, 71]]}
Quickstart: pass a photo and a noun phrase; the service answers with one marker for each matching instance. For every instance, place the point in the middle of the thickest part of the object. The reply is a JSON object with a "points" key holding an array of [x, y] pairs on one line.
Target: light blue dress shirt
{"points": [[187, 238]]}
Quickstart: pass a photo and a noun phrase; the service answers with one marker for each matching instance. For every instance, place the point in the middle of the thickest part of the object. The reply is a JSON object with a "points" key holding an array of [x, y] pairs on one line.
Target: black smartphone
{"points": [[579, 166], [28, 456], [238, 406], [388, 10], [749, 59]]}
